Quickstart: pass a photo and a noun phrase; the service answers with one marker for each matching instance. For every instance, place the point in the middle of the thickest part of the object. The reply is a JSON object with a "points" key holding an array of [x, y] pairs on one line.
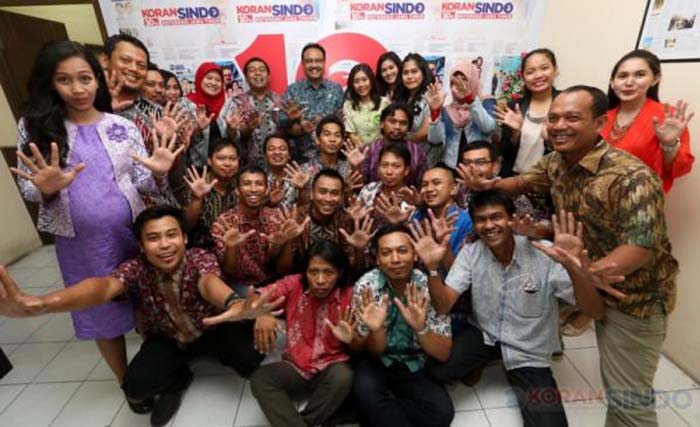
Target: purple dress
{"points": [[103, 239]]}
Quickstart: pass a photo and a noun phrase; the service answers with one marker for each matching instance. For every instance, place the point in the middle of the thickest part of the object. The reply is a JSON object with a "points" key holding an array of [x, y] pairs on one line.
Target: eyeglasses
{"points": [[477, 162]]}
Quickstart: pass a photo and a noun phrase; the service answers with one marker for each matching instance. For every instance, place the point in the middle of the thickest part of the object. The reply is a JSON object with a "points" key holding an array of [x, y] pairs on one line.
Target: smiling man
{"points": [[621, 204], [176, 290], [315, 97]]}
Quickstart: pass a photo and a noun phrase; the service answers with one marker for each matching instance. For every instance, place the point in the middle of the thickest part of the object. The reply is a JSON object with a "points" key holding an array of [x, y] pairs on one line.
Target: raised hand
{"points": [[250, 121], [254, 306], [434, 96], [354, 151], [362, 233], [171, 121], [288, 226], [232, 237], [233, 120], [460, 87], [431, 252], [293, 111], [673, 124], [296, 175], [443, 225], [202, 118], [523, 225], [511, 118], [344, 330], [411, 195], [200, 185], [308, 126], [372, 313], [48, 179], [115, 86], [390, 208], [474, 181], [13, 302], [415, 312], [276, 194], [355, 181], [357, 210], [164, 154]]}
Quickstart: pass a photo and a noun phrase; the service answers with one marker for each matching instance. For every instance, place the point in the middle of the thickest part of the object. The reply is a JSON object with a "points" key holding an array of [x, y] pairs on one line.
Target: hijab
{"points": [[212, 103], [459, 111]]}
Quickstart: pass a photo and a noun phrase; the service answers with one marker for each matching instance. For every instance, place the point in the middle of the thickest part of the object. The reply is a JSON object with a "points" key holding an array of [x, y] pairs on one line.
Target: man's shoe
{"points": [[169, 401], [142, 407]]}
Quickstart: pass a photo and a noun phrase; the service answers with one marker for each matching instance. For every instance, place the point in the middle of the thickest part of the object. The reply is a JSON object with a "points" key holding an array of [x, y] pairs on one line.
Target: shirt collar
{"points": [[175, 276], [321, 85], [519, 257], [591, 161]]}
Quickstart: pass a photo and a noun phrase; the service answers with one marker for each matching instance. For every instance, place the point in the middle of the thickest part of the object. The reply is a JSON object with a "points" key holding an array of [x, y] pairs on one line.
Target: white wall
{"points": [[588, 37]]}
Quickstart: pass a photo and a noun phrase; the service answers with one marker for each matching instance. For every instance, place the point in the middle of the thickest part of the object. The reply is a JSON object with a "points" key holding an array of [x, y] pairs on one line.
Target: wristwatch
{"points": [[671, 148], [433, 273]]}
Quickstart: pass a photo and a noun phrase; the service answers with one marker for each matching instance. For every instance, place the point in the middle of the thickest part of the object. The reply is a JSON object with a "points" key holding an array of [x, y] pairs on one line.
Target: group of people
{"points": [[384, 240]]}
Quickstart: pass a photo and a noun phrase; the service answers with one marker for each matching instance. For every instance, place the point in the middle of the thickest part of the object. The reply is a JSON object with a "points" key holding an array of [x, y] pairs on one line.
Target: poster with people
{"points": [[671, 30], [182, 34]]}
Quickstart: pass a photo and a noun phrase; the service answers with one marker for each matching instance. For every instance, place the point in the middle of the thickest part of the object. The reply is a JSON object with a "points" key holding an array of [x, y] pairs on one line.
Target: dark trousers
{"points": [[394, 396], [160, 362], [276, 384], [535, 388]]}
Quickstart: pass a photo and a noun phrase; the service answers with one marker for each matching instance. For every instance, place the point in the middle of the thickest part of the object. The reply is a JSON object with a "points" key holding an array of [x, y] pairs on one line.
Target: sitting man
{"points": [[400, 329], [176, 291], [515, 286]]}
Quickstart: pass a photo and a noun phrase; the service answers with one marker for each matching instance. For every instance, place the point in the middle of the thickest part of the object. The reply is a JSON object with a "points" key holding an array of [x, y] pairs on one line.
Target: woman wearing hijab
{"points": [[466, 119], [204, 105]]}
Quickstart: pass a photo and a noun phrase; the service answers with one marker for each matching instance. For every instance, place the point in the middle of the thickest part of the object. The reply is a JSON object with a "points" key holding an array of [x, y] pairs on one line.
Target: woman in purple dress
{"points": [[86, 168]]}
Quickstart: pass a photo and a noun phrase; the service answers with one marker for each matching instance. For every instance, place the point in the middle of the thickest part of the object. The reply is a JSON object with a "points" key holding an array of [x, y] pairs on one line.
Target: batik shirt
{"points": [[402, 342], [620, 201], [213, 205], [170, 305], [311, 346]]}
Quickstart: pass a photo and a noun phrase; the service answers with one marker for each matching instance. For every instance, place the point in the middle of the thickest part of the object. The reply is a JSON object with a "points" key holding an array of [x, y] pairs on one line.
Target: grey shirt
{"points": [[515, 306]]}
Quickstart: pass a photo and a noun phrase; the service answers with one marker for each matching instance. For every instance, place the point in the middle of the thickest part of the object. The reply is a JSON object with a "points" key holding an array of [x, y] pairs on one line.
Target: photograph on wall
{"points": [[671, 30]]}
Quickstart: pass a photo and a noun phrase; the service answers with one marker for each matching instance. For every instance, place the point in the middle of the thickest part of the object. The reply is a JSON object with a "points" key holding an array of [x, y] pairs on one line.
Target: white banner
{"points": [[182, 34]]}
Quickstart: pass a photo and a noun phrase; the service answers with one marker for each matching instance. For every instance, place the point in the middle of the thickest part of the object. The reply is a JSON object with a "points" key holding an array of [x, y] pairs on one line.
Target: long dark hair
{"points": [[541, 51], [383, 87], [403, 94], [45, 112], [167, 75], [655, 66], [332, 253], [351, 93]]}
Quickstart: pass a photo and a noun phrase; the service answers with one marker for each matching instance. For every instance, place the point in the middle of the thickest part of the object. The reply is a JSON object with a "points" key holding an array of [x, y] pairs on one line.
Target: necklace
{"points": [[618, 131], [535, 120]]}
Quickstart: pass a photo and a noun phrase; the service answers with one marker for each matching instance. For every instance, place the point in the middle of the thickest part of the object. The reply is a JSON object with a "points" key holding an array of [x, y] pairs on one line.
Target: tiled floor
{"points": [[59, 381]]}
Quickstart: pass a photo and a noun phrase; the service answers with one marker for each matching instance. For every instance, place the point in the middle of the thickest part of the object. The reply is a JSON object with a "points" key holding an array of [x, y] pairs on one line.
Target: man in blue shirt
{"points": [[308, 101]]}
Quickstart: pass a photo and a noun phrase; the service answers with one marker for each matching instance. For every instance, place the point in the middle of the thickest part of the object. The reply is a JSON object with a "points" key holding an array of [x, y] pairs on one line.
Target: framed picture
{"points": [[671, 30]]}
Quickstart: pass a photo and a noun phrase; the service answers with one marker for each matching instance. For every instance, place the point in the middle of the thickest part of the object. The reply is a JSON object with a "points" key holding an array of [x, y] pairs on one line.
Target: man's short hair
{"points": [[112, 42], [443, 166], [398, 149], [491, 198], [252, 169], [313, 46], [393, 107], [599, 104], [221, 143], [158, 212], [255, 59], [494, 152], [328, 173], [331, 118], [388, 229], [277, 135]]}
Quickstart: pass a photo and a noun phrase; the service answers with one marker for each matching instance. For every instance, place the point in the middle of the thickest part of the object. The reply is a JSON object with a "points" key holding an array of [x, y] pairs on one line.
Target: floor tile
{"points": [[74, 363], [571, 383], [587, 362], [249, 412], [590, 413], [209, 366], [126, 418], [493, 389], [28, 360], [669, 377], [463, 397], [38, 405], [16, 331], [9, 348], [39, 258], [8, 394], [41, 277], [102, 372], [669, 418], [58, 328], [504, 417], [210, 401], [470, 419], [685, 403], [94, 404]]}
